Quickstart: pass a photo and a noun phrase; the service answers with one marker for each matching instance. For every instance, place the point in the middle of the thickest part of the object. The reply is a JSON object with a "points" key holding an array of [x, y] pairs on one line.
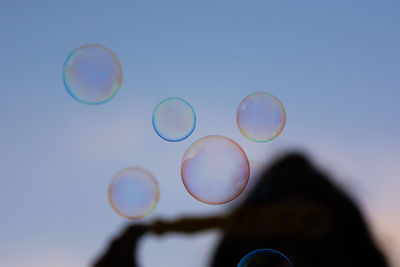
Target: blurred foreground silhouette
{"points": [[294, 209]]}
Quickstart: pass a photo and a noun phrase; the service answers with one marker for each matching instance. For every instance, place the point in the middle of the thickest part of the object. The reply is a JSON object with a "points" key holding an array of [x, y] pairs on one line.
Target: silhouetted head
{"points": [[298, 211]]}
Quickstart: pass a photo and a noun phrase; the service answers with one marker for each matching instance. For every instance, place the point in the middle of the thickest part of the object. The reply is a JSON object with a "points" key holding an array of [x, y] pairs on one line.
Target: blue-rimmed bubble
{"points": [[92, 74], [174, 119], [265, 258]]}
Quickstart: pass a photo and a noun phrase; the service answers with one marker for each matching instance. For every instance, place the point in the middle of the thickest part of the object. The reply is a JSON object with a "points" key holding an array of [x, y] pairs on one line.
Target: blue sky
{"points": [[335, 66]]}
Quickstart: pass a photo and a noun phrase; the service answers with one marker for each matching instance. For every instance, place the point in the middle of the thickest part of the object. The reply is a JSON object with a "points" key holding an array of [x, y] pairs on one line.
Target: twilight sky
{"points": [[335, 67]]}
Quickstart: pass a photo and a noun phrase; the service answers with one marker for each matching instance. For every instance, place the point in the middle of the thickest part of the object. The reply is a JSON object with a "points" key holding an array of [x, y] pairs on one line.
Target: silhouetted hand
{"points": [[121, 251]]}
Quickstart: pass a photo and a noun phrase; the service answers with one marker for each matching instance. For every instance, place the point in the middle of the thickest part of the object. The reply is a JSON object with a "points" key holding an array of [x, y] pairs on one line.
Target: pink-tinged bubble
{"points": [[92, 74], [215, 169], [261, 117], [133, 193]]}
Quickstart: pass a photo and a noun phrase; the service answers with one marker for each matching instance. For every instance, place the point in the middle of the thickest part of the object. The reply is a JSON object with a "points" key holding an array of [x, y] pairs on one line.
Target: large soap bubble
{"points": [[215, 169]]}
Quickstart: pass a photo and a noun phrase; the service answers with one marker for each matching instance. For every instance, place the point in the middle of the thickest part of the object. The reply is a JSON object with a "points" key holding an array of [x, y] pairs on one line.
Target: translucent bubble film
{"points": [[174, 119], [265, 258], [215, 169], [261, 117], [92, 74], [133, 193]]}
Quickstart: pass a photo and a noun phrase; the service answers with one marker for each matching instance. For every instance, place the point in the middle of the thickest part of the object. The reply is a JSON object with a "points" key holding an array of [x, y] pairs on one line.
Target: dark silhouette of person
{"points": [[294, 209]]}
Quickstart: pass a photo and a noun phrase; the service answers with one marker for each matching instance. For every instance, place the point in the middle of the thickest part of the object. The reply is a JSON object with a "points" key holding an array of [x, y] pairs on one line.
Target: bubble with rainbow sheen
{"points": [[133, 193], [92, 74], [265, 258], [261, 117], [174, 119], [215, 170]]}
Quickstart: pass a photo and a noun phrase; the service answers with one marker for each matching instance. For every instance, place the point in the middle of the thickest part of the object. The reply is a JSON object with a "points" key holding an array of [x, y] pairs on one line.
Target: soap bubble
{"points": [[92, 74], [265, 258], [174, 119], [133, 193], [261, 117], [215, 169]]}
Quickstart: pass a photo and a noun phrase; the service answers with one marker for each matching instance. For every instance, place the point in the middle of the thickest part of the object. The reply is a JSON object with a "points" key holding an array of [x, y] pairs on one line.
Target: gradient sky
{"points": [[334, 65]]}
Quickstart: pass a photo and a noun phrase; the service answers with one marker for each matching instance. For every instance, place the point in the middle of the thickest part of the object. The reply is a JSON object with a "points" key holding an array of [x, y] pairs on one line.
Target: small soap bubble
{"points": [[215, 170], [265, 258], [92, 74], [174, 119], [261, 117], [133, 193]]}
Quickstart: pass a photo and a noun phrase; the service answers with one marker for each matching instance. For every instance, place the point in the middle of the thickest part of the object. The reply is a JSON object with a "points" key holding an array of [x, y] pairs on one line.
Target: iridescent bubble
{"points": [[215, 169], [92, 74], [261, 117], [133, 193], [265, 258], [174, 119]]}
